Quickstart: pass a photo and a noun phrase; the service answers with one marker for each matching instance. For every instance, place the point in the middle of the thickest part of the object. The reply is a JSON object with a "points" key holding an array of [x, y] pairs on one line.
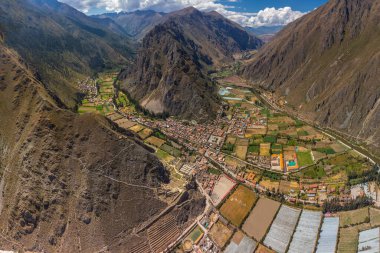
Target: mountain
{"points": [[137, 23], [170, 75], [326, 64], [70, 182], [61, 43]]}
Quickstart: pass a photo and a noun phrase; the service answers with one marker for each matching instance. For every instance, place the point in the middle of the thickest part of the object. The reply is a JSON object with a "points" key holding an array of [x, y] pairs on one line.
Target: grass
{"points": [[299, 123], [228, 148], [302, 133], [162, 155], [159, 135], [270, 139], [327, 151], [214, 171], [304, 159], [253, 149], [355, 217], [238, 205], [314, 172], [196, 234], [171, 150]]}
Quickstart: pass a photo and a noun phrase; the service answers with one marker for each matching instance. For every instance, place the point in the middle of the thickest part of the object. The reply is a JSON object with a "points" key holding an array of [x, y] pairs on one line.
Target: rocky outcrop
{"points": [[326, 64], [170, 75]]}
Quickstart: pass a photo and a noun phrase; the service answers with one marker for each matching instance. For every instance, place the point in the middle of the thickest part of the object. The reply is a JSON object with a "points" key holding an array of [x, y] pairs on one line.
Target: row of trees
{"points": [[335, 205], [372, 175]]}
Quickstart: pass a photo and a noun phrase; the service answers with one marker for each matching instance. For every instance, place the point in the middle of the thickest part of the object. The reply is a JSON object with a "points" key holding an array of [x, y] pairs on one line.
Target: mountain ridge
{"points": [[55, 187], [61, 43], [325, 66]]}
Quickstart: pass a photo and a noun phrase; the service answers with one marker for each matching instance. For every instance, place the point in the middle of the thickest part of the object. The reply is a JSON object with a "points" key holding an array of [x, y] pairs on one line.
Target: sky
{"points": [[252, 13]]}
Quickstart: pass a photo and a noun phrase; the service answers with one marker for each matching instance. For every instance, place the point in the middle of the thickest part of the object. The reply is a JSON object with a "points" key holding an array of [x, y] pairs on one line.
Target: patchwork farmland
{"points": [[282, 229], [260, 218], [353, 217], [238, 205], [241, 243], [349, 238], [305, 237], [328, 236], [220, 234]]}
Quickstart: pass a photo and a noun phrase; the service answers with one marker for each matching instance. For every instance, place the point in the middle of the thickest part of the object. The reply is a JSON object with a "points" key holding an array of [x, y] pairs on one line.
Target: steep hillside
{"points": [[327, 66], [61, 43], [170, 74], [68, 183], [138, 23]]}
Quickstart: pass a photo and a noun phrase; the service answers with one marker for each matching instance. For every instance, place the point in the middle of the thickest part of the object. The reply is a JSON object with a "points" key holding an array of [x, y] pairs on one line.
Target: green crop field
{"points": [[314, 172], [328, 151], [270, 139], [253, 149], [304, 158], [171, 150]]}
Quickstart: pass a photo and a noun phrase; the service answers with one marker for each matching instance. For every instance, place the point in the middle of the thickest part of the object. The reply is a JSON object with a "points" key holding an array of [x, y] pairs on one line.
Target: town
{"points": [[262, 171]]}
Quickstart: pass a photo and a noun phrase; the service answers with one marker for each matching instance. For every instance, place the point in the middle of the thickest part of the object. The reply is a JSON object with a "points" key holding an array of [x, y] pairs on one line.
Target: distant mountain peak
{"points": [[187, 11]]}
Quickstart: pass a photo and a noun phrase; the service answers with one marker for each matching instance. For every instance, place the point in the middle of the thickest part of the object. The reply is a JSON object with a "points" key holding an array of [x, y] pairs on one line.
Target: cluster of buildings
{"points": [[88, 87]]}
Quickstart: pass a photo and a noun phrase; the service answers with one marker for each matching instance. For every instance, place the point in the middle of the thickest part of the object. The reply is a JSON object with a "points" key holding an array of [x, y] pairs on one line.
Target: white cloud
{"points": [[266, 17]]}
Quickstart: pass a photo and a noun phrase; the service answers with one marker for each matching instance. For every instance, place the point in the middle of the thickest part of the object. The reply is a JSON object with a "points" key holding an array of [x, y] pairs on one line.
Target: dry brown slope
{"points": [[327, 65], [59, 170]]}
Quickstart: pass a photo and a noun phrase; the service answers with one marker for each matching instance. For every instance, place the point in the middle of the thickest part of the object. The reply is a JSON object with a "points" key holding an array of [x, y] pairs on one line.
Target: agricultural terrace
{"points": [[220, 234], [354, 217], [281, 231], [374, 216], [154, 141], [99, 95], [163, 233], [349, 238], [124, 123], [305, 237], [241, 243], [238, 205], [329, 235], [260, 218]]}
